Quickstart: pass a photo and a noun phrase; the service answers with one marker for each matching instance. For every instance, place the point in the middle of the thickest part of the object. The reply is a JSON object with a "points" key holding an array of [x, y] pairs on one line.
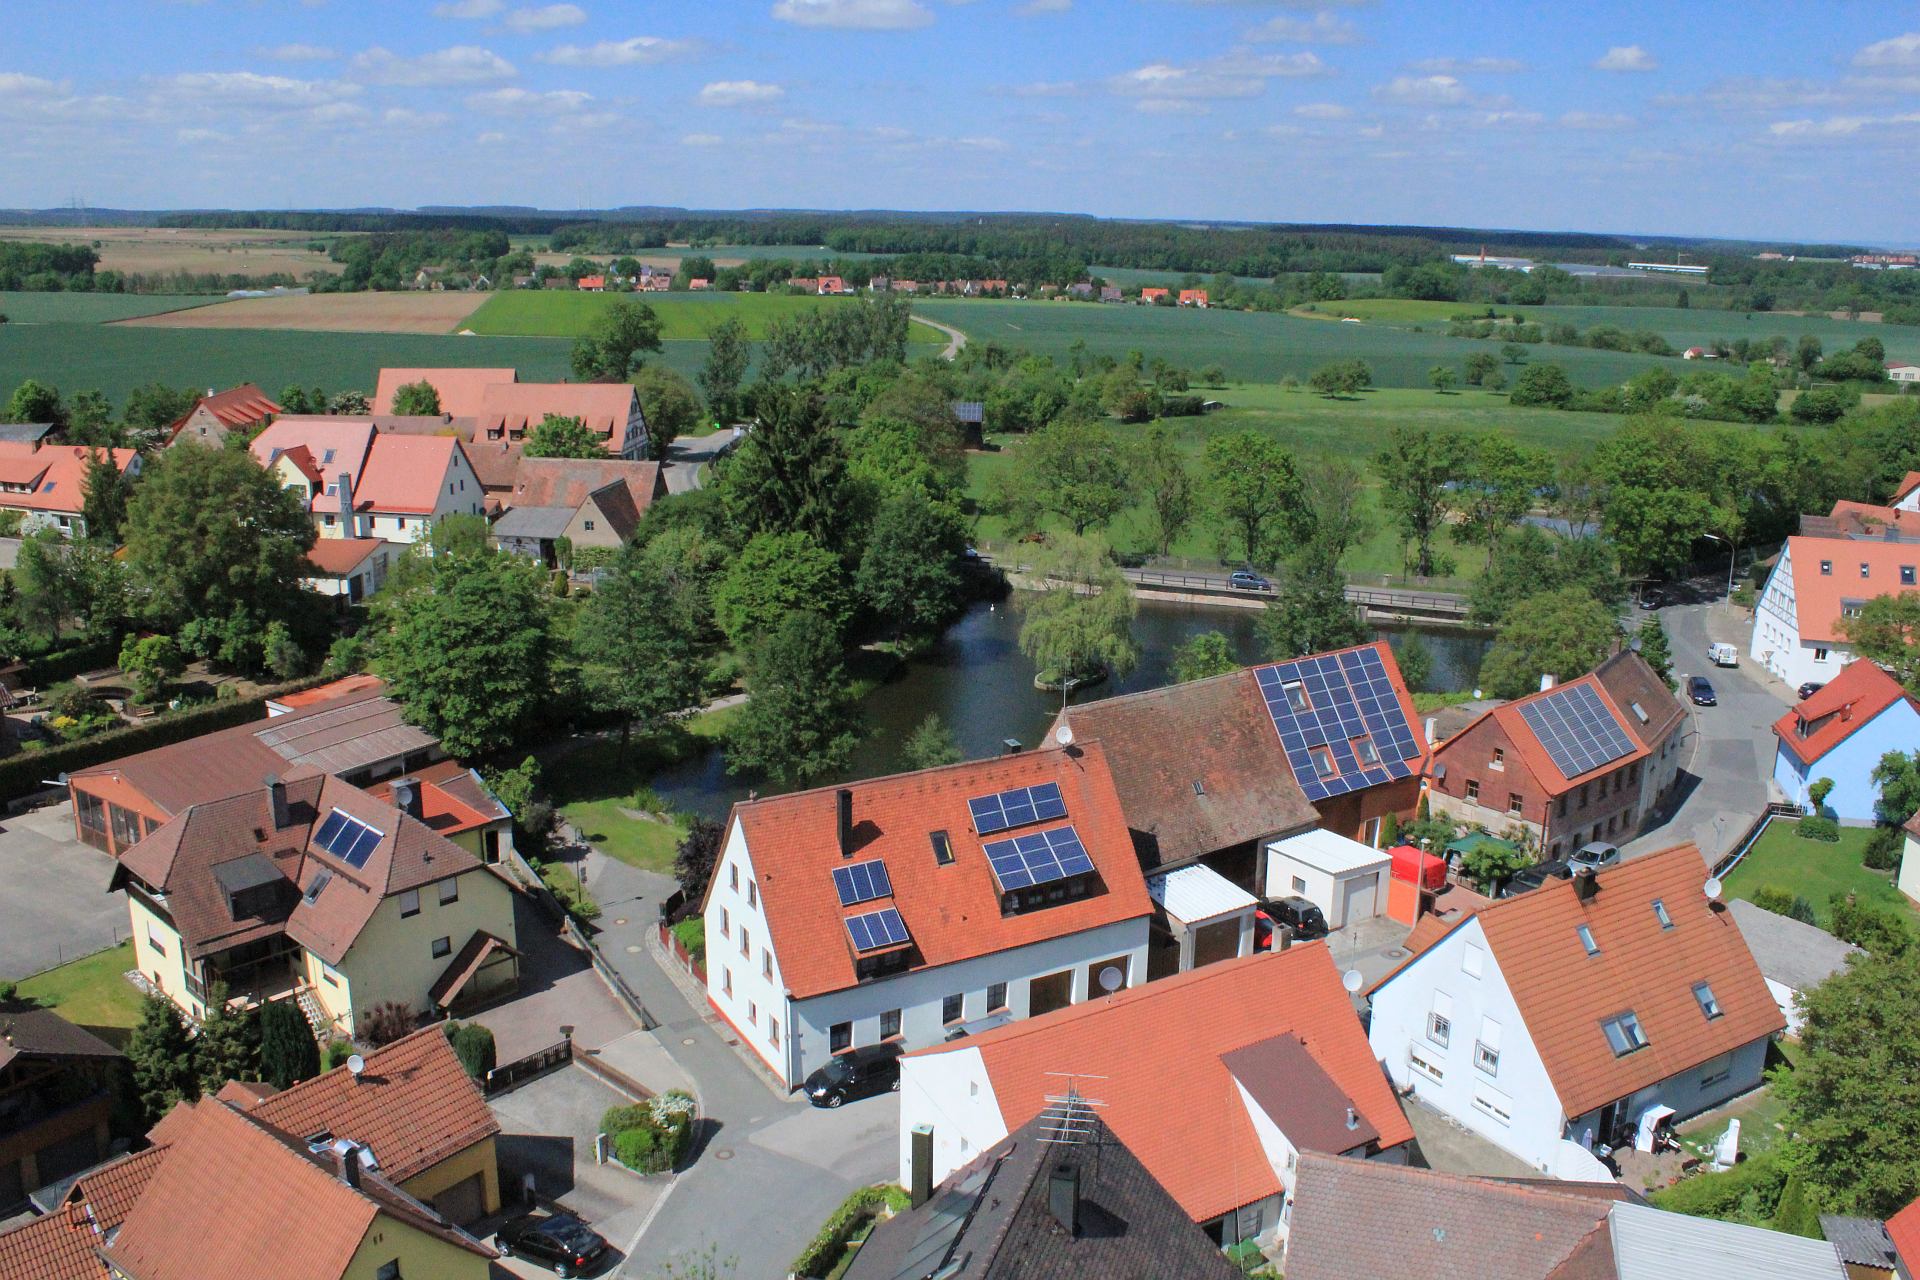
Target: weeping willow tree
{"points": [[1079, 616]]}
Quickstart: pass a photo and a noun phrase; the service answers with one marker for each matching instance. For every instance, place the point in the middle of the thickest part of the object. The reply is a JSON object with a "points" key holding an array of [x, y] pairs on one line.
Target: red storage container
{"points": [[1428, 870]]}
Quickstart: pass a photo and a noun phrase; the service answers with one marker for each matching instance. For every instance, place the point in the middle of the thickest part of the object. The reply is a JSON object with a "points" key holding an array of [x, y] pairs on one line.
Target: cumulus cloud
{"points": [[1484, 66], [461, 64], [12, 82], [518, 101], [621, 53], [739, 93], [1596, 120], [297, 53], [1322, 111], [1757, 93], [1239, 75], [1840, 126], [407, 118], [1321, 28], [469, 10], [549, 17], [701, 140], [1900, 51], [250, 90], [1171, 107], [1431, 91], [854, 15], [1625, 57]]}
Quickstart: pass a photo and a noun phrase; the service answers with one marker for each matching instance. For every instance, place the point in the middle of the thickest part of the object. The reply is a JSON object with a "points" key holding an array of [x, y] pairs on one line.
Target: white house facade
{"points": [[1818, 583]]}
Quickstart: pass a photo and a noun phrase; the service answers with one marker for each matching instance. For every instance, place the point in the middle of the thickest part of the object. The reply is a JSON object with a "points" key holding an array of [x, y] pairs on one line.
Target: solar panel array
{"points": [[876, 929], [1347, 696], [1576, 729], [1017, 808], [1039, 857], [862, 882], [347, 838]]}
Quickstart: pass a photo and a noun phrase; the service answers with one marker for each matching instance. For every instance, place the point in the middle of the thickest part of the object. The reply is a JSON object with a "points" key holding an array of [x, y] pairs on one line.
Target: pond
{"points": [[981, 685]]}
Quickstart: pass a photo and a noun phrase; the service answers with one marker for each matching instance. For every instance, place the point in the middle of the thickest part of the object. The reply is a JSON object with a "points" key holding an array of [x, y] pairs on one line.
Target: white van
{"points": [[1723, 655]]}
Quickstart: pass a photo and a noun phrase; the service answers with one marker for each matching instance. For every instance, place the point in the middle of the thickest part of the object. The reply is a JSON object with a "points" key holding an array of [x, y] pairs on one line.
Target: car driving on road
{"points": [[1700, 689], [1248, 580]]}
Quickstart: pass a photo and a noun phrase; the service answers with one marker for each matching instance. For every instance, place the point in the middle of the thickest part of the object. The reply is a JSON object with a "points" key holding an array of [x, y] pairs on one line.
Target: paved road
{"points": [[955, 338], [55, 905], [688, 456], [1727, 763]]}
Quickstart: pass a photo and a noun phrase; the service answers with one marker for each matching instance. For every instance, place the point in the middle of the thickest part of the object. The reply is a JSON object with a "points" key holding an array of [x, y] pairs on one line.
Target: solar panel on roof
{"points": [[862, 882], [1576, 728], [1330, 703], [1017, 808], [876, 929], [347, 838], [1039, 857]]}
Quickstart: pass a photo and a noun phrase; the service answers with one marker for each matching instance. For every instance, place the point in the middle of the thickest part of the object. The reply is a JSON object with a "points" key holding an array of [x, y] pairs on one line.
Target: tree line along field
{"points": [[683, 316], [91, 308], [200, 250]]}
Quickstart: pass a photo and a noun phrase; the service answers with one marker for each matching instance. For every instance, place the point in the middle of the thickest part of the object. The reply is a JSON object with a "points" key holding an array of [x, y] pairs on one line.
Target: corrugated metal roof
{"points": [[533, 522], [1647, 1243], [1331, 852], [342, 739], [1197, 893]]}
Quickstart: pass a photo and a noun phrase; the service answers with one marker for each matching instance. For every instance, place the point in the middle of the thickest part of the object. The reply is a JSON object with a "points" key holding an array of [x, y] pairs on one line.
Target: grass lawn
{"points": [[1389, 310], [91, 992], [1814, 869], [562, 314], [593, 785]]}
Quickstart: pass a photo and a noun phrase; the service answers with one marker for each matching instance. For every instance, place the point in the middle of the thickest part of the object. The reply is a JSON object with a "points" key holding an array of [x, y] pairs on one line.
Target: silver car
{"points": [[1594, 856]]}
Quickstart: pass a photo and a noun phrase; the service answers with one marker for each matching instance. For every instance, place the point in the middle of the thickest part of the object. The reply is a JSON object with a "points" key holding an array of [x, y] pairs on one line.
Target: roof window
{"points": [[942, 848], [1586, 940], [1624, 1034], [1708, 1005], [1660, 914]]}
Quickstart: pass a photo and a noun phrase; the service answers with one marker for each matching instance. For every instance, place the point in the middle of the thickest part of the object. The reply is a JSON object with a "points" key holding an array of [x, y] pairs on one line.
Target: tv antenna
{"points": [[1069, 1117]]}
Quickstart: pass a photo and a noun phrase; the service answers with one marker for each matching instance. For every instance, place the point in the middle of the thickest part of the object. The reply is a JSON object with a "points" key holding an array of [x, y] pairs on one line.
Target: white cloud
{"points": [[854, 15], [1599, 120], [407, 118], [19, 82], [297, 53], [1484, 66], [200, 135], [518, 101], [1900, 51], [1047, 89], [1322, 28], [1238, 75], [1034, 7], [1840, 126], [621, 53], [461, 64], [549, 17], [739, 93], [1423, 90], [981, 143], [468, 9], [1322, 111], [491, 138], [1625, 57], [228, 89], [701, 140], [1171, 107], [1757, 93]]}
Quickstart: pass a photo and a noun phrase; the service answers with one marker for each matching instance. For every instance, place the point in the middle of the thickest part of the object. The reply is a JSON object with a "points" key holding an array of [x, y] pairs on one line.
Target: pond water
{"points": [[981, 685]]}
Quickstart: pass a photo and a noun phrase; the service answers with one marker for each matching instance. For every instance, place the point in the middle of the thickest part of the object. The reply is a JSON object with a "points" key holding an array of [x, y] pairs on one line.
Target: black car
{"points": [[1248, 580], [1299, 915], [1810, 688], [861, 1073], [557, 1240], [1700, 689], [1529, 878]]}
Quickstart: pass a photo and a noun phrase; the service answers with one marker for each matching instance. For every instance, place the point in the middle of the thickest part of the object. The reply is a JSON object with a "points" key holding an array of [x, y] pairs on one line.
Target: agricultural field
{"points": [[1249, 346], [408, 312], [687, 316], [151, 250], [1127, 277], [91, 308]]}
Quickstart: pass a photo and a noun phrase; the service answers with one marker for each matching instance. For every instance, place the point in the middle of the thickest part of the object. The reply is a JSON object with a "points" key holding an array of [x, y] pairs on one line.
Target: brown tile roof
{"points": [[568, 482], [1628, 679], [1520, 735], [42, 1033], [414, 1105], [480, 948], [1176, 1030], [1216, 732], [1302, 1099], [1363, 1220], [339, 557], [461, 390], [61, 1245], [952, 912], [1846, 703], [495, 463], [1563, 993]]}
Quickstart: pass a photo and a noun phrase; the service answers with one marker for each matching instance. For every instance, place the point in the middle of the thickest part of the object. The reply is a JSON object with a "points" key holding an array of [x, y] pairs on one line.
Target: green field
{"points": [[1250, 346], [683, 316], [116, 359], [93, 308], [1815, 869]]}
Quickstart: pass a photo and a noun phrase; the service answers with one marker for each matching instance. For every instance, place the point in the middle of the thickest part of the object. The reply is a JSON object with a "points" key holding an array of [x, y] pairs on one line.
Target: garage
{"points": [[1342, 877], [464, 1201], [1208, 917]]}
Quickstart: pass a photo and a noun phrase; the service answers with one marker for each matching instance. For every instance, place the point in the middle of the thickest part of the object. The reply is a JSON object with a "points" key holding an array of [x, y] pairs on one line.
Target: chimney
{"points": [[347, 1157], [344, 483], [920, 1164], [1585, 884], [843, 799], [277, 800], [405, 795], [1063, 1197], [1547, 681], [1012, 745]]}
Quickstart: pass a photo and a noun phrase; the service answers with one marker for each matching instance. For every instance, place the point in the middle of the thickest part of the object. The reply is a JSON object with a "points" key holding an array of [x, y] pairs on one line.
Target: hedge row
{"points": [[65, 664], [826, 1248], [23, 774]]}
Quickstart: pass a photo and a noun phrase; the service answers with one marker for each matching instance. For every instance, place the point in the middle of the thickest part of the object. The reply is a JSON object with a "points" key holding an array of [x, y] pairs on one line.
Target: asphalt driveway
{"points": [[54, 904]]}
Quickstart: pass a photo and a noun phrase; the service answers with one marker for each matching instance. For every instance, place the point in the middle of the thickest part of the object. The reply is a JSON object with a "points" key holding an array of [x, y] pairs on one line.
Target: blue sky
{"points": [[1789, 120]]}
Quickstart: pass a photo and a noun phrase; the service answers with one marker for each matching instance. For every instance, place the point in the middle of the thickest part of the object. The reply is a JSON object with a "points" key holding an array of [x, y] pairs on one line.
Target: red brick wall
{"points": [[1613, 796]]}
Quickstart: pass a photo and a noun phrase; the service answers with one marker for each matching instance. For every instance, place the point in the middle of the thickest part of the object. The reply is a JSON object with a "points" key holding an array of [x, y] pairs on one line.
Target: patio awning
{"points": [[481, 950], [1196, 893]]}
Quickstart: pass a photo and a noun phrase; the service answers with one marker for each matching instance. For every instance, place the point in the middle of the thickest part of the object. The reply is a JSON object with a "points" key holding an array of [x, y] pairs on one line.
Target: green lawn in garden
{"points": [[596, 789], [566, 314], [1814, 869], [94, 308], [91, 992]]}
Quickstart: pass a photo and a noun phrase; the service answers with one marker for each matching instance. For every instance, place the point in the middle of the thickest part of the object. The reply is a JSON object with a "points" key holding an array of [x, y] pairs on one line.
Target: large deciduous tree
{"points": [[420, 398], [910, 572], [643, 639], [800, 721], [1208, 654], [1079, 620], [1416, 469], [1502, 482], [611, 348], [104, 502], [671, 405], [728, 355], [1073, 468], [1254, 488], [790, 476], [556, 436], [1563, 633], [1887, 631], [1166, 479], [774, 575]]}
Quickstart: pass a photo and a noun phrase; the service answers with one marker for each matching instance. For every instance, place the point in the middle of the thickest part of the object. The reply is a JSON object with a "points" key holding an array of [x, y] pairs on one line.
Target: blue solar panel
{"points": [[1017, 808], [347, 838], [862, 882], [1038, 857], [1326, 705], [876, 929], [1576, 729]]}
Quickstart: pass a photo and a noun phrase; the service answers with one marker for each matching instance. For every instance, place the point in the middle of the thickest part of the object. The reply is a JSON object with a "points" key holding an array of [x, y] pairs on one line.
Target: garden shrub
{"points": [[666, 1123], [473, 1045], [1756, 1182], [1783, 902], [692, 934], [1816, 827], [1883, 849], [636, 1148], [823, 1253]]}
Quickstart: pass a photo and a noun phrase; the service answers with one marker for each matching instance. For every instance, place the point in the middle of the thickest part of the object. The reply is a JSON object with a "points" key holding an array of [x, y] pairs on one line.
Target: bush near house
{"points": [[1816, 827], [652, 1136], [692, 934], [857, 1211], [473, 1045]]}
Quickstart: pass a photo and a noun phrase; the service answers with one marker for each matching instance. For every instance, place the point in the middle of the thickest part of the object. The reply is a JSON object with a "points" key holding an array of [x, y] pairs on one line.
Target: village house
{"points": [[1587, 760], [590, 503], [1816, 584], [57, 1085], [1152, 293], [1580, 1014], [360, 482], [1193, 298], [1111, 293], [1217, 1080], [350, 570], [1903, 371], [1080, 291], [459, 389], [47, 483], [1840, 734], [592, 284], [216, 414], [611, 410], [998, 888]]}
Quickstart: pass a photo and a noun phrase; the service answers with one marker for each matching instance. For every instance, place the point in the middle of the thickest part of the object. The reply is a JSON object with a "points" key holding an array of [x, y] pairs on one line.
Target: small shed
{"points": [[1344, 878], [1207, 916]]}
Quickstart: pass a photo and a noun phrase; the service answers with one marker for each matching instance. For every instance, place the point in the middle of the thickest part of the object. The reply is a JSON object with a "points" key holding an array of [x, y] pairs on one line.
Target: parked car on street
{"points": [[1530, 878], [1723, 654], [859, 1073], [1810, 688], [1594, 856], [1248, 580], [559, 1241], [1297, 914], [1700, 689]]}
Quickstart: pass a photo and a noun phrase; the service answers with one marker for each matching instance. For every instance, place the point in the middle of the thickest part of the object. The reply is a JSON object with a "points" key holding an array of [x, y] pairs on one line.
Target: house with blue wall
{"points": [[1841, 733]]}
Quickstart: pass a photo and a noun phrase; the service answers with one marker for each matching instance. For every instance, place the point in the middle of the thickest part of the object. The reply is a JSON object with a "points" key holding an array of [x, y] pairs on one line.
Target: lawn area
{"points": [[93, 308], [91, 992], [561, 314], [1814, 869], [596, 790], [1389, 310]]}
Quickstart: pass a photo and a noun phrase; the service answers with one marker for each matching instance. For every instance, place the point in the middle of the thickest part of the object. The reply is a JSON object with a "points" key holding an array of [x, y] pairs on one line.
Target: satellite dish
{"points": [[1352, 981], [1111, 979], [1712, 886], [356, 1064], [1064, 735]]}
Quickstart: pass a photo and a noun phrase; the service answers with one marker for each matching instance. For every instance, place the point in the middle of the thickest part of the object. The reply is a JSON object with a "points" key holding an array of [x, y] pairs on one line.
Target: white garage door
{"points": [[1357, 900]]}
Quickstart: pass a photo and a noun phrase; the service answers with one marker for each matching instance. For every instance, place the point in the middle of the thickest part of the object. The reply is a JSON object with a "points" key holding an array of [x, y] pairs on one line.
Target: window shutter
{"points": [[1443, 1004]]}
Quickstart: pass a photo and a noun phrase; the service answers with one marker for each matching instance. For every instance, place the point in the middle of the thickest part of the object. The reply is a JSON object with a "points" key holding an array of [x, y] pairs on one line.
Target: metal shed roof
{"points": [[1647, 1242], [1332, 853], [1196, 893]]}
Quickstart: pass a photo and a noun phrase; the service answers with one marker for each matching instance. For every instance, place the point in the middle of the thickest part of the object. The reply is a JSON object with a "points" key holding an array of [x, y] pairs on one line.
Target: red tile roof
{"points": [[953, 911], [1515, 729], [1820, 598], [332, 445], [451, 800], [414, 1105], [519, 407], [61, 1245], [1908, 483], [345, 686], [1903, 1228], [1166, 1040], [403, 474], [1848, 702], [1563, 993], [460, 389], [339, 557], [56, 474], [239, 406]]}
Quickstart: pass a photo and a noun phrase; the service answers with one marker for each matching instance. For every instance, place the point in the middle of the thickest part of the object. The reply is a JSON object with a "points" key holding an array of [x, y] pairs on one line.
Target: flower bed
{"points": [[652, 1136]]}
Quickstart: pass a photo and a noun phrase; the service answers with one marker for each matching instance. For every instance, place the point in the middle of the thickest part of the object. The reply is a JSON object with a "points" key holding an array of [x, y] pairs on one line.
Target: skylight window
{"points": [[1586, 940], [942, 848], [1624, 1034], [1708, 1005], [1296, 696], [1660, 914], [321, 879]]}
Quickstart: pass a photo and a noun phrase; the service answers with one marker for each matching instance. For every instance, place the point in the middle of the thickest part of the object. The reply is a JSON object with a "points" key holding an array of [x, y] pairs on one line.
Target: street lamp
{"points": [[1732, 552]]}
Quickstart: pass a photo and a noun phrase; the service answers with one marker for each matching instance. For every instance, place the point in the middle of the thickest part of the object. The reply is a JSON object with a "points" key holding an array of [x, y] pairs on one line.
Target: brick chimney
{"points": [[277, 801], [843, 803]]}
